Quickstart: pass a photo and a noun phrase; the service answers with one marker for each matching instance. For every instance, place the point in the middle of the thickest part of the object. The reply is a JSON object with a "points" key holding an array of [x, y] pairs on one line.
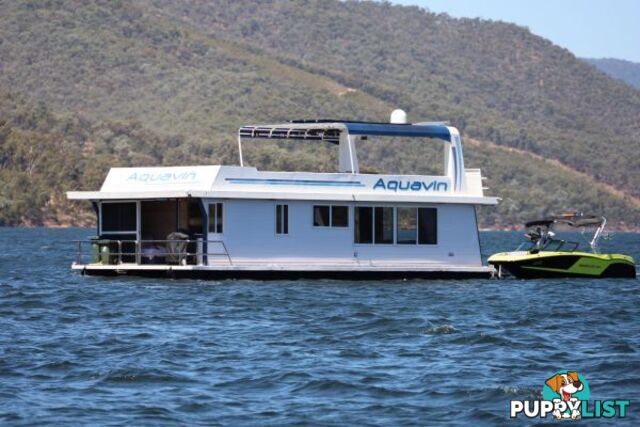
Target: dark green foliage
{"points": [[495, 81], [109, 83]]}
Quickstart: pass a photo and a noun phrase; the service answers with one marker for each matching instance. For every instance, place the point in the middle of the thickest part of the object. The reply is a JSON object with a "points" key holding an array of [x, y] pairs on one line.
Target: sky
{"points": [[588, 28]]}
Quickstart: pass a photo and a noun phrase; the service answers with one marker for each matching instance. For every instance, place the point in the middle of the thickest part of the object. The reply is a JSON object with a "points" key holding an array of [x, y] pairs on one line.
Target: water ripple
{"points": [[128, 351]]}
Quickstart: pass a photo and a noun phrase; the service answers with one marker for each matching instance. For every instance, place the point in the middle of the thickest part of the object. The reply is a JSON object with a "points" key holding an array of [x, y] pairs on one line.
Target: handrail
{"points": [[138, 252]]}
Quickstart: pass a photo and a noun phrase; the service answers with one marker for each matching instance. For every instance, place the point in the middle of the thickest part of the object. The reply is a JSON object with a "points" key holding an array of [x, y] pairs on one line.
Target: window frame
{"points": [[101, 229], [313, 216], [214, 220], [284, 220], [346, 226], [435, 227], [395, 226], [415, 210], [330, 225], [355, 226]]}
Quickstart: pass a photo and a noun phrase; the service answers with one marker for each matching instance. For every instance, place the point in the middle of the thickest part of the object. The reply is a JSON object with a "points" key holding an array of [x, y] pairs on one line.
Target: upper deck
{"points": [[456, 185]]}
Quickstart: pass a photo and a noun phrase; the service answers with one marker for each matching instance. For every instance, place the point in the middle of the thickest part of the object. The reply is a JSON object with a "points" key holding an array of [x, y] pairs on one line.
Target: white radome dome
{"points": [[398, 117]]}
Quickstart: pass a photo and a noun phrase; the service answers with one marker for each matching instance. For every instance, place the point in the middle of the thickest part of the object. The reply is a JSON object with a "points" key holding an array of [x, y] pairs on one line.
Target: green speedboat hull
{"points": [[564, 264]]}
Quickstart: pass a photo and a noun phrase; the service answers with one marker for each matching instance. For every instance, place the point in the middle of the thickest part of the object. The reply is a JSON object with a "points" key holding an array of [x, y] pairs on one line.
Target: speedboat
{"points": [[544, 255]]}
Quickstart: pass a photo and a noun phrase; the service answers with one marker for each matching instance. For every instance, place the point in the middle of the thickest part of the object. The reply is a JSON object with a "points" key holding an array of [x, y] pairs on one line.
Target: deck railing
{"points": [[164, 252]]}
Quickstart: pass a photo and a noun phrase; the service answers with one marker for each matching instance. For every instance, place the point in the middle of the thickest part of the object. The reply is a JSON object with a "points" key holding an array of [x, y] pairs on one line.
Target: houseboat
{"points": [[238, 222]]}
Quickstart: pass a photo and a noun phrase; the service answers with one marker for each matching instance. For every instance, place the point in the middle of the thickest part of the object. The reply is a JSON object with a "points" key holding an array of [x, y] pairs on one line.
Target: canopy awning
{"points": [[329, 130], [571, 220]]}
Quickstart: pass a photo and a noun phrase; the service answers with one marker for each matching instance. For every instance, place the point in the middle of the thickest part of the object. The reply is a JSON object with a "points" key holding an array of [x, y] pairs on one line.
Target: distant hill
{"points": [[169, 81], [627, 71]]}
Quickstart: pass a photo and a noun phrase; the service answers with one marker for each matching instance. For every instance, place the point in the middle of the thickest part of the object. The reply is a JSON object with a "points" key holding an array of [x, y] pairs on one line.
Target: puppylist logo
{"points": [[565, 396]]}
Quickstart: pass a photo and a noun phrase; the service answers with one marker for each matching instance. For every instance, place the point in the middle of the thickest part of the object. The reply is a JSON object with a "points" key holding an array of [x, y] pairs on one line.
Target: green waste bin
{"points": [[108, 251], [95, 249]]}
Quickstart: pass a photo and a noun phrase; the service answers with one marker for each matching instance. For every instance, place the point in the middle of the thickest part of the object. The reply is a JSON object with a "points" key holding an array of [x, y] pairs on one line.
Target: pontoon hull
{"points": [[257, 273], [564, 264]]}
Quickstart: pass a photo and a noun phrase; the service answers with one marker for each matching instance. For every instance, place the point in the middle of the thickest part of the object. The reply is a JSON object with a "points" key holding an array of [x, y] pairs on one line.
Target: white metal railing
{"points": [[111, 252]]}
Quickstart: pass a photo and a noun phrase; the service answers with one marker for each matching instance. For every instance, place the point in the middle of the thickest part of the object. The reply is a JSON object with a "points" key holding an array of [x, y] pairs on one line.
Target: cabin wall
{"points": [[249, 235]]}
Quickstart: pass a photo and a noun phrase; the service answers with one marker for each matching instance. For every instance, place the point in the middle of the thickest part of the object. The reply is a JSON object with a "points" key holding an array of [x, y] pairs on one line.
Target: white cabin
{"points": [[236, 221]]}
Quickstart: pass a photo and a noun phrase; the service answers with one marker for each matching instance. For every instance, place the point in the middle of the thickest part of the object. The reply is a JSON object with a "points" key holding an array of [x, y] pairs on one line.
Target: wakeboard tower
{"points": [[545, 256]]}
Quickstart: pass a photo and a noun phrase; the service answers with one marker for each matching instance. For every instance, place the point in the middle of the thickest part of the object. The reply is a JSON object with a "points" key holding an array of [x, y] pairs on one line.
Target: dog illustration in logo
{"points": [[566, 385]]}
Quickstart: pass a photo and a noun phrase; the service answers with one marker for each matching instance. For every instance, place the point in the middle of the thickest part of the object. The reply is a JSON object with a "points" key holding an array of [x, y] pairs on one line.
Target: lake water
{"points": [[128, 351]]}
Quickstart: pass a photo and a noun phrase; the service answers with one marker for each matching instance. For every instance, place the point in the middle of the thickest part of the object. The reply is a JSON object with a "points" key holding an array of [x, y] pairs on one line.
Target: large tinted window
{"points": [[383, 225], [407, 229], [118, 217], [339, 216], [363, 230], [427, 226], [412, 225]]}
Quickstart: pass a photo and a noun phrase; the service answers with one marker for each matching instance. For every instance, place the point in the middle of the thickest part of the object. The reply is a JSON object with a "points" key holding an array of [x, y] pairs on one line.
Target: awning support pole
{"points": [[453, 161], [347, 158], [240, 149]]}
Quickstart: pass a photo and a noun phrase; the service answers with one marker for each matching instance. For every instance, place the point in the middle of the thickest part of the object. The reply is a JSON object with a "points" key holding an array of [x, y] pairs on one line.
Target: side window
{"points": [[118, 217], [330, 216], [363, 230], [407, 226], [412, 226], [427, 226], [282, 219], [383, 220], [216, 213], [321, 216], [339, 216]]}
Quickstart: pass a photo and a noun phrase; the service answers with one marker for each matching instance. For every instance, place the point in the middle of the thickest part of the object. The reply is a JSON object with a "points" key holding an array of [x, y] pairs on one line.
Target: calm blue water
{"points": [[122, 351]]}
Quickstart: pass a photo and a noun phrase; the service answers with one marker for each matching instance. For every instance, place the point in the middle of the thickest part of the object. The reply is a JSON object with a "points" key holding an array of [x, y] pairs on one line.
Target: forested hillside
{"points": [[627, 71], [88, 85]]}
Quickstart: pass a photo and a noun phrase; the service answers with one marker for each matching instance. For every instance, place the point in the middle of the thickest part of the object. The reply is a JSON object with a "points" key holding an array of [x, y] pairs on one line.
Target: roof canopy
{"points": [[572, 220], [329, 130]]}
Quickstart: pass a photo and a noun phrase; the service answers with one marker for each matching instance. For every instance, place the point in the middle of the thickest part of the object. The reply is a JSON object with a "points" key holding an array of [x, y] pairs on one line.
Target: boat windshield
{"points": [[555, 245]]}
